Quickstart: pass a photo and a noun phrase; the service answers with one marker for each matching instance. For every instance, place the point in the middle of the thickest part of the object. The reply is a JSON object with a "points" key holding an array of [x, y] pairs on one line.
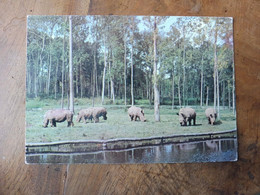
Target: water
{"points": [[218, 150]]}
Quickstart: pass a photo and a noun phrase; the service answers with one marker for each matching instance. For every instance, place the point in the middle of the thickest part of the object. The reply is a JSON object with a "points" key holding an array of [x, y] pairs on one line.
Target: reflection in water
{"points": [[203, 151]]}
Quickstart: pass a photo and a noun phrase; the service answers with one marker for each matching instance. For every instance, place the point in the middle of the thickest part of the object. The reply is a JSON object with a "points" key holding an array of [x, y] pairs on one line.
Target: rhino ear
{"points": [[211, 115]]}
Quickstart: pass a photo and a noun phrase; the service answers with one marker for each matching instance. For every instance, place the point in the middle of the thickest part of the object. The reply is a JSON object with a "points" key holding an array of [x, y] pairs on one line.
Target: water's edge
{"points": [[214, 150]]}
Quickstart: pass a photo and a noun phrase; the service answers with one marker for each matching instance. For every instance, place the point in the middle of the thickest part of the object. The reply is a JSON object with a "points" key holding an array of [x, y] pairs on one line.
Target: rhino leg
{"points": [[85, 119], [46, 122], [70, 124], [194, 121], [189, 122], [54, 123], [96, 119], [211, 122]]}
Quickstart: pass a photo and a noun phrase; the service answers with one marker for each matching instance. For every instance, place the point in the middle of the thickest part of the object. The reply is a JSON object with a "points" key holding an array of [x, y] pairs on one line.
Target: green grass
{"points": [[118, 124]]}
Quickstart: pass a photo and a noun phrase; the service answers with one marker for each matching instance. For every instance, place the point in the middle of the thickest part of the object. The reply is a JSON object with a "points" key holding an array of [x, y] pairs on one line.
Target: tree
{"points": [[105, 58], [63, 63], [156, 91], [71, 68], [132, 65]]}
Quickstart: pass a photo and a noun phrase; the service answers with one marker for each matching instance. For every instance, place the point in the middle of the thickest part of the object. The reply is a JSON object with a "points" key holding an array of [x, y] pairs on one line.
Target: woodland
{"points": [[131, 60]]}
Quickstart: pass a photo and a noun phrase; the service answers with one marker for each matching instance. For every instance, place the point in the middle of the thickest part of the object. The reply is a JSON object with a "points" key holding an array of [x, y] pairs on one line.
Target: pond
{"points": [[217, 150]]}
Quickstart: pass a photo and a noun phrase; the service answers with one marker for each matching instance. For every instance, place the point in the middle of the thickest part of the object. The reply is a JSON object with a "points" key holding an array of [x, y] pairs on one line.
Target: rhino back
{"points": [[188, 112], [210, 111], [134, 110]]}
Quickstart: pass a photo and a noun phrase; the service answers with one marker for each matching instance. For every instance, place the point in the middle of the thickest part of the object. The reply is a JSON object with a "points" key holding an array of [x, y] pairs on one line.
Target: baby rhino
{"points": [[58, 115], [92, 113], [211, 114], [136, 112], [85, 114], [186, 115], [99, 112]]}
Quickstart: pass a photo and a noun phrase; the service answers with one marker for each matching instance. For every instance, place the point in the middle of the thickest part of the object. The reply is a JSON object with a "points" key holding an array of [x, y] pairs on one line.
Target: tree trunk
{"points": [[201, 83], [92, 78], [218, 95], [62, 71], [93, 81], [132, 66], [156, 92], [56, 78], [77, 80], [49, 75], [104, 74], [35, 84], [95, 60], [112, 81], [108, 85], [173, 87], [97, 88], [179, 90], [223, 94], [229, 101], [71, 69], [125, 62], [215, 65], [81, 81], [207, 99], [183, 65], [68, 98], [95, 73]]}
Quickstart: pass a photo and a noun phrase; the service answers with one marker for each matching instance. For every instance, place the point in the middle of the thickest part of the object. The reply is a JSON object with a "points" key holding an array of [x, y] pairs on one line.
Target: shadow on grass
{"points": [[191, 125], [218, 123]]}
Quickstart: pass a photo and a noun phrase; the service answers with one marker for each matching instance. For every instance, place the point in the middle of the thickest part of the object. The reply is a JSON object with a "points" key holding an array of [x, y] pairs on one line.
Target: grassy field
{"points": [[118, 124]]}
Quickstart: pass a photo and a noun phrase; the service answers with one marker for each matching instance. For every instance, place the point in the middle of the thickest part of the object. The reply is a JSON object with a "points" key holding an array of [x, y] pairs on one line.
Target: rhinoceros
{"points": [[186, 115], [58, 116]]}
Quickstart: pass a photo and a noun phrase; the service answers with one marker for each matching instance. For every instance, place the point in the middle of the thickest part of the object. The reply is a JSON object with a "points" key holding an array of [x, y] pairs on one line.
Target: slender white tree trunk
{"points": [[56, 78], [81, 81], [71, 69], [49, 75], [218, 96], [207, 99], [179, 89], [125, 65], [132, 65], [156, 91], [223, 94], [184, 71], [229, 101], [62, 71], [104, 74], [215, 66], [173, 85], [201, 83]]}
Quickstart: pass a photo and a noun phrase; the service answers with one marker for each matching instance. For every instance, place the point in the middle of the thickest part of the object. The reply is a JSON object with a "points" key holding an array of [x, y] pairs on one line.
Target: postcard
{"points": [[130, 89]]}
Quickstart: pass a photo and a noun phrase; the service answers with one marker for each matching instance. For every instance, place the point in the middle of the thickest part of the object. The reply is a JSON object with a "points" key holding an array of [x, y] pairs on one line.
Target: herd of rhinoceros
{"points": [[60, 115]]}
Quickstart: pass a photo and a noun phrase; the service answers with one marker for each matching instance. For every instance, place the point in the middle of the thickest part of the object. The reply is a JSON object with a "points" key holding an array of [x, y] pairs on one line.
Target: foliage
{"points": [[185, 59]]}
